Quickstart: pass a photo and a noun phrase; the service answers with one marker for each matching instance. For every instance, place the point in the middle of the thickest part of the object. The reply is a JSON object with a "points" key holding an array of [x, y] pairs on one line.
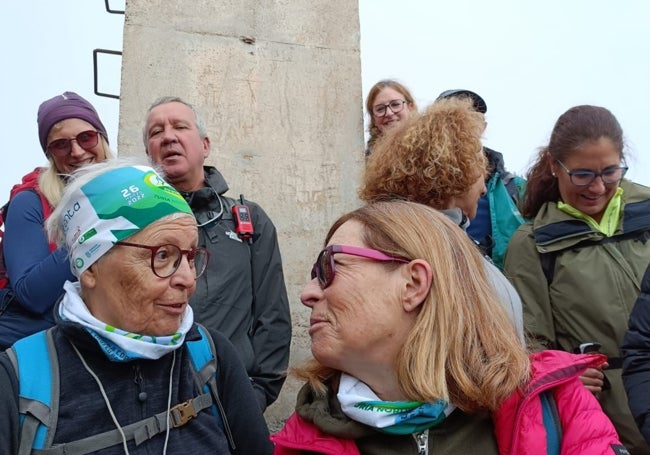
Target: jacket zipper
{"points": [[138, 379], [422, 441]]}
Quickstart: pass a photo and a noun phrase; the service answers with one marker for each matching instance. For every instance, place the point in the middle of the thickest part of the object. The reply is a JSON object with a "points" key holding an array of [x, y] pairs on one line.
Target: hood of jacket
{"points": [[215, 179], [495, 161], [325, 412], [207, 198]]}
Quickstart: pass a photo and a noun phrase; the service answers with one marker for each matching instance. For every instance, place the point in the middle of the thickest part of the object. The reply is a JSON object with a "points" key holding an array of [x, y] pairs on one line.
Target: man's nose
{"points": [[168, 135]]}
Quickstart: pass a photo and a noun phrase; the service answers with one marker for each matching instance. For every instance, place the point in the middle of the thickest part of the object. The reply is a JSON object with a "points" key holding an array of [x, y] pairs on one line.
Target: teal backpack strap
{"points": [[36, 364], [552, 424], [37, 369], [204, 361]]}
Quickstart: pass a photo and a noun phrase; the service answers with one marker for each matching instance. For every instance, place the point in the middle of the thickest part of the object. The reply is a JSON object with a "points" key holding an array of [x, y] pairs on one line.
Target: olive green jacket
{"points": [[589, 288]]}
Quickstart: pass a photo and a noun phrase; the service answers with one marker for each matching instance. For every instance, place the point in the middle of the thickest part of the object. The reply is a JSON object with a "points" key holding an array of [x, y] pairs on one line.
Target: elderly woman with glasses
{"points": [[415, 354], [578, 263], [71, 135], [388, 103], [130, 371]]}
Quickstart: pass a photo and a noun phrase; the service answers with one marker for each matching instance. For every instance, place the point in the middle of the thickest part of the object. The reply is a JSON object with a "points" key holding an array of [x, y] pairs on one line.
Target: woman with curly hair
{"points": [[388, 103], [437, 159]]}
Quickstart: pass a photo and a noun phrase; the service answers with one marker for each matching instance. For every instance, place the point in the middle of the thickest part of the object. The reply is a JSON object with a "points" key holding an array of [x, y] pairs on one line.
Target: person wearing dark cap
{"points": [[498, 215], [72, 135]]}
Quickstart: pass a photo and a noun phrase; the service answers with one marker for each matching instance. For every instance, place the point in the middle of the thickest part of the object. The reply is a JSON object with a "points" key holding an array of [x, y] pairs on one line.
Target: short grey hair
{"points": [[198, 120]]}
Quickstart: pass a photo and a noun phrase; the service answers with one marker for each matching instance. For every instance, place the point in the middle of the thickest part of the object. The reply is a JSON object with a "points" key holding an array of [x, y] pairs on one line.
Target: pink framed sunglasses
{"points": [[324, 268]]}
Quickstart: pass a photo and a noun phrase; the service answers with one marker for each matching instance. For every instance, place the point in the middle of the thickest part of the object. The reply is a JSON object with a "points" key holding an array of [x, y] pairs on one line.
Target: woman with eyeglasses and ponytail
{"points": [[578, 263], [414, 354], [71, 135], [389, 102]]}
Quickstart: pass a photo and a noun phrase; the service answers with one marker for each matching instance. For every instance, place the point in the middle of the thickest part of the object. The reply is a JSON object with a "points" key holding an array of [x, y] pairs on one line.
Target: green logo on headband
{"points": [[154, 181], [87, 235], [78, 263]]}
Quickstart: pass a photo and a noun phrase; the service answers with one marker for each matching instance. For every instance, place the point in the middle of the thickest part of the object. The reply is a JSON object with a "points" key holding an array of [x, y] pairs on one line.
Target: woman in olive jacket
{"points": [[578, 264]]}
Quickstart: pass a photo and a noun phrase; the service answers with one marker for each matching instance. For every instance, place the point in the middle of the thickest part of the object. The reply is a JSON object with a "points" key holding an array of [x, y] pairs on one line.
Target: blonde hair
{"points": [[463, 347], [51, 183], [431, 159]]}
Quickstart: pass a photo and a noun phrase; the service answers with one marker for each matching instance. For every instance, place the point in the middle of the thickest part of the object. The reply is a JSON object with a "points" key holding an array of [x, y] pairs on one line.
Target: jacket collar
{"points": [[555, 229]]}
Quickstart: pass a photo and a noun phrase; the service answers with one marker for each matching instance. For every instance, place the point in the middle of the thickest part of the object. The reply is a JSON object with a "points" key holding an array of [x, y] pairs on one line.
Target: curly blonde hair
{"points": [[431, 159]]}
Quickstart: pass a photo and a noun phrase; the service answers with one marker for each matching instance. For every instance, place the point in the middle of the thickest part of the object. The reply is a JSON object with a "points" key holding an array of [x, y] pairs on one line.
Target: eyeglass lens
{"points": [[609, 176], [325, 268], [395, 106], [85, 139], [167, 258]]}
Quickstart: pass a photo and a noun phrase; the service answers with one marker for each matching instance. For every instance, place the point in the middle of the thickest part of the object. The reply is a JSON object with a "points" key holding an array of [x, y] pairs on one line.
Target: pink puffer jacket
{"points": [[519, 425]]}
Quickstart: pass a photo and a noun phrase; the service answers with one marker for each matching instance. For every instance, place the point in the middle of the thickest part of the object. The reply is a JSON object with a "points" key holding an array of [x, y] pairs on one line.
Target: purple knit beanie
{"points": [[62, 107]]}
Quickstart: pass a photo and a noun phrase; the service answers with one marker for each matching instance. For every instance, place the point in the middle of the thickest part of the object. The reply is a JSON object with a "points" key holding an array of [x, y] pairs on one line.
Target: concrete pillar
{"points": [[279, 85]]}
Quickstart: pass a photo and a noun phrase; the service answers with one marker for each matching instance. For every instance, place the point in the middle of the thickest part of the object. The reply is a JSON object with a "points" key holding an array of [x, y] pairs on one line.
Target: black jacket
{"points": [[242, 293], [636, 358], [136, 390]]}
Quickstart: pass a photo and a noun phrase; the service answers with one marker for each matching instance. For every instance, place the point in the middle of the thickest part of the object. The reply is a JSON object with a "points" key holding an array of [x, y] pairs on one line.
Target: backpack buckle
{"points": [[182, 413]]}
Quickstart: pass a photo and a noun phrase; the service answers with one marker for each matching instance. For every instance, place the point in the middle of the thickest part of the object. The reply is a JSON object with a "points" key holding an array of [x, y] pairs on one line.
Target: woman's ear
{"points": [[88, 278], [418, 283], [552, 164]]}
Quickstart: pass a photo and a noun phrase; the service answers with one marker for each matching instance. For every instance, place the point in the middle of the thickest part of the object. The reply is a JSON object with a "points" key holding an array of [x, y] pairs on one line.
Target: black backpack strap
{"points": [[548, 265]]}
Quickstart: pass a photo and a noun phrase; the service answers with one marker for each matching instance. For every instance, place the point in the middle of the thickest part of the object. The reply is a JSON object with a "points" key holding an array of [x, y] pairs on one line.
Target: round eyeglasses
{"points": [[165, 259], [582, 177], [395, 106], [324, 267], [62, 147]]}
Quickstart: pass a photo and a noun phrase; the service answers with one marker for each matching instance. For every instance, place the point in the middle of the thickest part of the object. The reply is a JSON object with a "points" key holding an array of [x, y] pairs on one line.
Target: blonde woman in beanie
{"points": [[71, 135]]}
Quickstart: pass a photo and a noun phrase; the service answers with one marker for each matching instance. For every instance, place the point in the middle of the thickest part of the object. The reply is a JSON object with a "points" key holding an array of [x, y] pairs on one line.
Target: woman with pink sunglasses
{"points": [[414, 354]]}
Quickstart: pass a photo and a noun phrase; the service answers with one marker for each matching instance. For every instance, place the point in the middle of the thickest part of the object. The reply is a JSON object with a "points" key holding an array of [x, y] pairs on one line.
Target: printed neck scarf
{"points": [[360, 403], [118, 345]]}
